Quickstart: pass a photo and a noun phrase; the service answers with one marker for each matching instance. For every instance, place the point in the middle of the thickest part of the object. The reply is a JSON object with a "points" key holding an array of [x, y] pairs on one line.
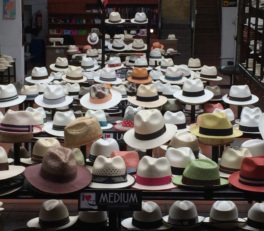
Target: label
{"points": [[229, 3]]}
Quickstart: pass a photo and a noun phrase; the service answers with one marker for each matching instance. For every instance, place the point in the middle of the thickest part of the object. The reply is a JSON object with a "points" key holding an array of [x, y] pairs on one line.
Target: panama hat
{"points": [[153, 174], [139, 76], [240, 95], [117, 45], [155, 74], [92, 38], [130, 60], [165, 63], [61, 64], [114, 18], [250, 176], [176, 118], [121, 89], [115, 63], [108, 76], [209, 73], [140, 18], [96, 220], [89, 64], [73, 89], [137, 45], [193, 92], [142, 62], [101, 117], [100, 97], [231, 160], [9, 96], [149, 218], [155, 57], [187, 72], [30, 91], [255, 146], [39, 75], [53, 97], [249, 120], [38, 113], [194, 64], [110, 173], [92, 53], [173, 75], [159, 85], [73, 49], [254, 220], [224, 215], [172, 105], [229, 113], [183, 215], [56, 75], [74, 75], [58, 173], [53, 215], [216, 91]]}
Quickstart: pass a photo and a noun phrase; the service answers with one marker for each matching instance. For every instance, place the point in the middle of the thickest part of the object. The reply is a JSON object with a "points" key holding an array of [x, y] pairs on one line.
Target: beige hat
{"points": [[61, 64], [9, 96], [114, 18], [194, 64], [74, 75], [209, 73], [31, 91]]}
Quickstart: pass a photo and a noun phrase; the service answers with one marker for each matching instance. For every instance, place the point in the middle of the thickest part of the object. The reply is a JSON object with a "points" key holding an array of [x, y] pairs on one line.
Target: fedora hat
{"points": [[165, 63], [171, 37], [121, 89], [172, 105], [114, 18], [39, 75], [73, 89], [73, 49], [210, 107], [187, 72], [140, 18], [89, 64], [155, 54], [110, 173], [193, 92], [108, 76], [117, 45], [101, 117], [38, 113], [183, 215], [96, 220], [224, 215], [92, 53], [200, 174], [254, 220], [157, 45], [229, 113], [30, 91], [231, 160], [58, 173], [115, 63], [139, 75], [194, 64], [141, 62], [249, 120], [100, 97], [173, 75], [53, 215], [216, 91], [159, 85], [255, 146], [155, 74], [148, 218], [81, 131], [209, 73], [41, 87], [53, 97], [9, 96], [92, 38], [61, 64], [250, 176], [137, 45], [74, 75], [240, 95], [153, 174], [130, 60], [60, 121], [176, 118]]}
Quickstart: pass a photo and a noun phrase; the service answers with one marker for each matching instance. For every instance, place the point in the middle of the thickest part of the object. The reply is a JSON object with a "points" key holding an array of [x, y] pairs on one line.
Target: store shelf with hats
{"points": [[7, 69]]}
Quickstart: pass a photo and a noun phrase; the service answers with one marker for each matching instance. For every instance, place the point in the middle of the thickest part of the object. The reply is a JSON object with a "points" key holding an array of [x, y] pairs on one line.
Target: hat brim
{"points": [[116, 68], [10, 191], [163, 79], [154, 188], [218, 78], [153, 104], [143, 81], [195, 68], [163, 69], [116, 98], [92, 42], [184, 227], [30, 80], [39, 101], [111, 48], [98, 80], [53, 68], [130, 47], [133, 142], [27, 161], [48, 128], [224, 225], [132, 20], [253, 100], [127, 224], [19, 100], [108, 126], [13, 171], [119, 127], [248, 227], [94, 68], [34, 223], [84, 79], [120, 22], [33, 176], [194, 100], [177, 179]]}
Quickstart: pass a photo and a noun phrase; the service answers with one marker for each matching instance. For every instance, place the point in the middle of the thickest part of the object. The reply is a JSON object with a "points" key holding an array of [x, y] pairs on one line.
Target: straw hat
{"points": [[176, 118], [137, 45], [228, 112], [121, 89], [140, 18], [139, 76], [216, 91], [254, 220], [38, 113], [117, 45], [61, 64], [115, 63], [89, 64], [74, 75], [114, 18], [255, 146], [92, 53], [249, 120], [73, 49], [209, 73], [173, 75], [39, 75], [93, 38], [30, 91], [108, 76], [96, 220], [142, 62], [155, 74], [194, 64], [9, 96], [101, 117], [165, 63]]}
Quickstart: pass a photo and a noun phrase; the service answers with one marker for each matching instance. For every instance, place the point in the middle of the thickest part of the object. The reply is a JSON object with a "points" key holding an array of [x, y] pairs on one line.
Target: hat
{"points": [[110, 173], [60, 121], [42, 86], [100, 97], [187, 72], [155, 75], [30, 91], [231, 160], [101, 117], [229, 113], [96, 220], [3, 67], [39, 75], [250, 176], [165, 63], [131, 88], [121, 89], [74, 75], [89, 64], [92, 53], [108, 76], [153, 174], [171, 37], [114, 18], [214, 126], [254, 220], [58, 173], [73, 49], [176, 118], [141, 62], [130, 60], [115, 63], [140, 18], [149, 218], [57, 75], [172, 105], [210, 107], [240, 95], [183, 215], [139, 76], [38, 113], [224, 215], [93, 38], [157, 45], [61, 64], [9, 96], [249, 120], [200, 174], [137, 45], [155, 54], [193, 92], [216, 91], [117, 45], [255, 146], [53, 97], [73, 89], [168, 90], [81, 131], [53, 215], [173, 75], [209, 73]]}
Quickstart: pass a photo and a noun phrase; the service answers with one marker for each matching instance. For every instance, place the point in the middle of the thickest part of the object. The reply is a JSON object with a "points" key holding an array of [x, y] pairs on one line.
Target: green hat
{"points": [[199, 174]]}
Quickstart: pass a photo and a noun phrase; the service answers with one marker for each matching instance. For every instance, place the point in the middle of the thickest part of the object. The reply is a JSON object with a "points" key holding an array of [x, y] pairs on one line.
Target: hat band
{"points": [[115, 21], [165, 67], [73, 93], [212, 220], [147, 225], [60, 66], [144, 20], [208, 76], [138, 47], [39, 77], [92, 157], [148, 99], [57, 176], [16, 128], [6, 99], [189, 181], [240, 99], [91, 55], [193, 94], [177, 170], [87, 67], [53, 224], [227, 170], [100, 101], [131, 61], [131, 93], [153, 181], [128, 123], [74, 78], [248, 129], [54, 101], [151, 135], [108, 79], [173, 78], [36, 158], [251, 181], [168, 96], [194, 66], [4, 166], [255, 224], [140, 65], [114, 65], [181, 126], [140, 78], [216, 132], [118, 48], [109, 179], [58, 127], [183, 222]]}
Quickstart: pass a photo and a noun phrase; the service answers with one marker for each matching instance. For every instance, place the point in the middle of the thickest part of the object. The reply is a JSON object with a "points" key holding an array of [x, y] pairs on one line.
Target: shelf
{"points": [[55, 25]]}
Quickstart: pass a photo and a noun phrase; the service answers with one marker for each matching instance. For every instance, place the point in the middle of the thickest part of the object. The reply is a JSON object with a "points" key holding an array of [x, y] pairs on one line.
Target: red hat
{"points": [[210, 107], [251, 175]]}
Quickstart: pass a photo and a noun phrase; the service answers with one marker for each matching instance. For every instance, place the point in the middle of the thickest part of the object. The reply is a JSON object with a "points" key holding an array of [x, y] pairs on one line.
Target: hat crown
{"points": [[142, 61], [252, 167], [140, 15], [114, 16], [209, 70], [193, 85], [38, 109], [155, 52], [159, 85], [18, 118], [185, 139], [92, 52], [179, 157], [215, 89], [216, 120], [167, 62], [54, 92], [108, 73], [87, 61], [139, 72], [147, 90], [240, 91], [73, 48], [171, 36], [256, 212], [130, 112], [183, 210], [138, 42], [62, 61], [74, 71], [29, 90], [224, 211], [150, 212], [104, 147], [73, 87], [98, 114], [93, 36], [63, 118], [228, 112], [42, 146], [53, 210], [114, 60], [3, 156], [255, 146], [8, 90], [250, 116], [120, 88], [93, 216], [99, 91], [173, 72], [39, 71], [118, 42], [194, 62], [174, 117]]}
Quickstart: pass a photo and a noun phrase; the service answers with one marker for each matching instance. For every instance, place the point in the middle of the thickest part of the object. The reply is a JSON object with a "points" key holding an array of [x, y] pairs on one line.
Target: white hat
{"points": [[187, 72], [155, 74], [159, 85], [130, 60], [140, 18], [194, 64], [115, 63], [73, 89], [30, 91], [193, 92], [255, 146], [42, 86], [141, 62], [168, 90], [173, 75], [240, 95], [176, 118], [171, 37], [61, 64], [93, 38], [117, 45], [53, 97], [74, 75], [114, 18], [110, 173], [60, 120], [155, 54], [249, 120], [209, 73], [165, 63], [89, 64], [92, 53], [121, 89], [137, 45], [9, 96], [39, 75], [73, 49], [38, 113], [228, 111], [101, 117], [107, 75], [57, 75], [254, 220]]}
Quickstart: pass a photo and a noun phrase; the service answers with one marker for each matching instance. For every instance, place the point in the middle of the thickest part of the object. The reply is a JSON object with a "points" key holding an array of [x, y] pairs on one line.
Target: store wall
{"points": [[11, 38]]}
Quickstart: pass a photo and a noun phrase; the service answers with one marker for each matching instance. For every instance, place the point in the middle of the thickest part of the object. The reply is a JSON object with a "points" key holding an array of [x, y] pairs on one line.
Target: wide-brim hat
{"points": [[180, 82], [13, 171], [130, 47], [248, 227], [253, 100], [218, 78], [110, 47], [33, 176], [110, 22], [225, 224], [116, 98], [132, 20], [83, 79], [116, 82], [92, 42], [194, 100], [152, 104], [48, 127], [19, 100], [27, 161], [39, 101], [54, 68], [185, 227], [133, 142], [47, 80]]}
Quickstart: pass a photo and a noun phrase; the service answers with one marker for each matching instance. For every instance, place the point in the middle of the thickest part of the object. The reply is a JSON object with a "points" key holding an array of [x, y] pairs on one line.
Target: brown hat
{"points": [[139, 76], [58, 173], [83, 130]]}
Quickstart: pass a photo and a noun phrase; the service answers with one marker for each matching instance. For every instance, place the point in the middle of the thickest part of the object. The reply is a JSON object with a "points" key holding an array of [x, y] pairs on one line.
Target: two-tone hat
{"points": [[9, 96], [61, 64]]}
